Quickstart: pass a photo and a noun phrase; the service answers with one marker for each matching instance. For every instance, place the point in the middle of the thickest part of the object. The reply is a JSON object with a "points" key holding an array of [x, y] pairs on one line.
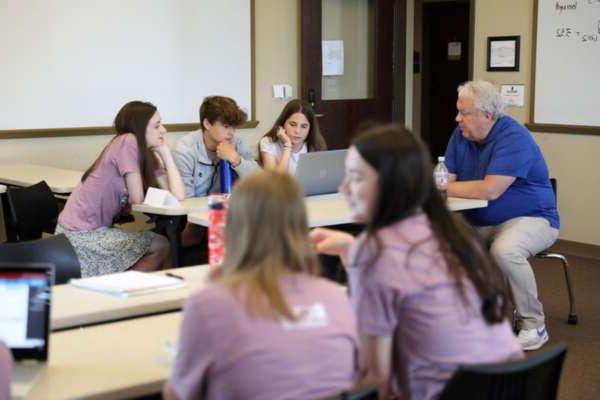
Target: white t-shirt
{"points": [[275, 149]]}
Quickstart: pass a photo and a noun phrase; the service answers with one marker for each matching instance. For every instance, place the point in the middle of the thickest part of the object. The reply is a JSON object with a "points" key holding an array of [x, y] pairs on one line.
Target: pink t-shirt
{"points": [[411, 293], [224, 353], [95, 202], [5, 368]]}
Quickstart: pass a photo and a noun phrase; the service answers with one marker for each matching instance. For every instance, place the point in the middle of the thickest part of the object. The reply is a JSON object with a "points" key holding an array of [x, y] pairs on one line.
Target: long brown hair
{"points": [[405, 187], [133, 118], [266, 235], [315, 140]]}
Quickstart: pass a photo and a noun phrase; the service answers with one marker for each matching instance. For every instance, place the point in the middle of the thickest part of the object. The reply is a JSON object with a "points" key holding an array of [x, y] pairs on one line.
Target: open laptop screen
{"points": [[320, 172], [25, 309]]}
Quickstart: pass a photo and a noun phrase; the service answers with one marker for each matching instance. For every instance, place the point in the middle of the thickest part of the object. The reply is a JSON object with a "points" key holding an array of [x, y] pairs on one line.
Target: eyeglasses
{"points": [[465, 113]]}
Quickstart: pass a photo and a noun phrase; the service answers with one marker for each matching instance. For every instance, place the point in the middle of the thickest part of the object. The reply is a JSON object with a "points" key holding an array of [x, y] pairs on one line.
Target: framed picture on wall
{"points": [[503, 53]]}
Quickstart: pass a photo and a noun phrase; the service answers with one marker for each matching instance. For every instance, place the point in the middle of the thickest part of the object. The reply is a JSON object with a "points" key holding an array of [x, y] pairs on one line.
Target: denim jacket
{"points": [[199, 173]]}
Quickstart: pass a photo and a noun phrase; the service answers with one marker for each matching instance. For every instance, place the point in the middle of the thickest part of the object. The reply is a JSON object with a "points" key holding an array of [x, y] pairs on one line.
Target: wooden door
{"points": [[361, 87]]}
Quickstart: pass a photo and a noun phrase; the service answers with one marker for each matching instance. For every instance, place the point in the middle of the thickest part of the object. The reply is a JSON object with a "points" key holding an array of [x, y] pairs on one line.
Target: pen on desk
{"points": [[174, 276]]}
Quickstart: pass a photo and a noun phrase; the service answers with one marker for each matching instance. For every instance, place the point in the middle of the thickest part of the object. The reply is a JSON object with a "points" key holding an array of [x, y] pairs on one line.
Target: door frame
{"points": [[395, 40]]}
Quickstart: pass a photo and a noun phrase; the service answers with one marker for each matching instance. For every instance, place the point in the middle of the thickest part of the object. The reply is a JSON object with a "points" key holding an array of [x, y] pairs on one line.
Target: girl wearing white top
{"points": [[295, 131]]}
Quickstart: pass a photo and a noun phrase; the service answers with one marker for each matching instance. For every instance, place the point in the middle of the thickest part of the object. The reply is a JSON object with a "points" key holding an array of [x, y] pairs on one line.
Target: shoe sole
{"points": [[537, 345]]}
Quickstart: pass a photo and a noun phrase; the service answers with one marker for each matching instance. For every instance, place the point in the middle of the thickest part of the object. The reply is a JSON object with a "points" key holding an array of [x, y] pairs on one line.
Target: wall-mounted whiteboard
{"points": [[73, 63], [567, 63]]}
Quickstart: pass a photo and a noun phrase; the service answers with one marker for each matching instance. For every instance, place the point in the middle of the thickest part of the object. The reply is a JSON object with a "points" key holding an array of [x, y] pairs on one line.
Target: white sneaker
{"points": [[532, 339]]}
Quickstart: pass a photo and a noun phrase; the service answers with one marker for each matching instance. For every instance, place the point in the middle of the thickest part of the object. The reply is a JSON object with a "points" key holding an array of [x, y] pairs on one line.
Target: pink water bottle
{"points": [[217, 212]]}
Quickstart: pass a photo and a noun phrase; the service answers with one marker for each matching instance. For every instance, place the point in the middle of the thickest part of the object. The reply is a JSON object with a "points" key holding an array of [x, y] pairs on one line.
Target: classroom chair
{"points": [[532, 378], [572, 319], [56, 250], [33, 210]]}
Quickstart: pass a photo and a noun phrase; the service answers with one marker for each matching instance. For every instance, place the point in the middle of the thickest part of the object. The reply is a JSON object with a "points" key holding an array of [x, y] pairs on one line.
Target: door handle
{"points": [[311, 97]]}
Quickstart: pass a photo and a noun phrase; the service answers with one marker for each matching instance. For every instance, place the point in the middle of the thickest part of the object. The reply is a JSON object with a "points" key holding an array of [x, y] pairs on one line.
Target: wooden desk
{"points": [[61, 181], [120, 360], [74, 307], [331, 209]]}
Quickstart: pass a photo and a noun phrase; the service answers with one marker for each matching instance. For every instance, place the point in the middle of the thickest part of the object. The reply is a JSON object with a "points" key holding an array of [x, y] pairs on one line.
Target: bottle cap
{"points": [[441, 158]]}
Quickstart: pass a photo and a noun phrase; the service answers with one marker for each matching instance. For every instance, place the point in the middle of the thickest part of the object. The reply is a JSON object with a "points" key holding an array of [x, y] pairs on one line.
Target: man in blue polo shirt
{"points": [[491, 156]]}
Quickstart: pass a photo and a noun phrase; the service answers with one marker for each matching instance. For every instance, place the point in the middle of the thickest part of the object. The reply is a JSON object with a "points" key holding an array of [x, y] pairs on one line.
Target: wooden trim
{"points": [[533, 59], [576, 249], [399, 62], [572, 129], [472, 10], [312, 63], [182, 127], [97, 130]]}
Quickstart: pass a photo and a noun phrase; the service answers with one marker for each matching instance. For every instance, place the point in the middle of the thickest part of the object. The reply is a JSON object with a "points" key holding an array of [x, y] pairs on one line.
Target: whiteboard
{"points": [[567, 63], [74, 63]]}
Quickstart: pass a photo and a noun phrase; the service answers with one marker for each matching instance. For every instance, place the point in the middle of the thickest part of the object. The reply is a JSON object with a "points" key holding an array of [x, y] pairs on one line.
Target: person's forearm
{"points": [[284, 162], [176, 186], [478, 189]]}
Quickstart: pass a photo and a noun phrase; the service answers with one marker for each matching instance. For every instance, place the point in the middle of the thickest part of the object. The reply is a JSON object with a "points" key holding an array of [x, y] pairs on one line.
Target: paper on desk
{"points": [[128, 283], [160, 198]]}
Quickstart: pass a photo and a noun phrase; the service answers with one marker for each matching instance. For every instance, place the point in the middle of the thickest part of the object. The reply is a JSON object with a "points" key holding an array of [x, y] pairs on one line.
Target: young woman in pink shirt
{"points": [[426, 294], [266, 326], [136, 158]]}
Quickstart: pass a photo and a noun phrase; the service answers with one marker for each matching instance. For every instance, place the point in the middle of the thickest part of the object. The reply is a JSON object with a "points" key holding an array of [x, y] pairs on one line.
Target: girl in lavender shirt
{"points": [[5, 368], [266, 327], [427, 296], [295, 131], [136, 158]]}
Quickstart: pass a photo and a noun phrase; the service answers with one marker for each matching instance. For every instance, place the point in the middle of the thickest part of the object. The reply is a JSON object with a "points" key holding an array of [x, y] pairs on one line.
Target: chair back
{"points": [[554, 187], [55, 250], [365, 393], [533, 378], [33, 210]]}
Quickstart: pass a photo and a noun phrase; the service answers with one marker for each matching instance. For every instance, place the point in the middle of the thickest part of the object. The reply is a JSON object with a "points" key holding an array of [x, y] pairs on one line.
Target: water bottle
{"points": [[440, 176], [225, 176], [217, 213]]}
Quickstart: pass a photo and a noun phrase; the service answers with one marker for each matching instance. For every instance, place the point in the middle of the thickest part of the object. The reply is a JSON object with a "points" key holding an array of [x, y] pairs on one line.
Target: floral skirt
{"points": [[107, 250]]}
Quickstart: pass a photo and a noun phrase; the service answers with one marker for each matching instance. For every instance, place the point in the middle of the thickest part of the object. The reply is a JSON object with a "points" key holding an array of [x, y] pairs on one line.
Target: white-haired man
{"points": [[491, 156]]}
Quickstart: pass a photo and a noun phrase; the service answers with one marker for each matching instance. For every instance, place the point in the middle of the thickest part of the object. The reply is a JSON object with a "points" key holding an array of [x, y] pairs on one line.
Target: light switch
{"points": [[287, 91], [278, 92]]}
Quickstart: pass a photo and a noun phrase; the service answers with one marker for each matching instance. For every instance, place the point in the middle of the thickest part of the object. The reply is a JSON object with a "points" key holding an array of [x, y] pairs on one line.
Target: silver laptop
{"points": [[321, 172], [25, 320]]}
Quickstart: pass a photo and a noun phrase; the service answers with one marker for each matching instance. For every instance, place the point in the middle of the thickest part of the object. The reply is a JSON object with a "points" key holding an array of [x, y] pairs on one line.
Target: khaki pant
{"points": [[511, 244]]}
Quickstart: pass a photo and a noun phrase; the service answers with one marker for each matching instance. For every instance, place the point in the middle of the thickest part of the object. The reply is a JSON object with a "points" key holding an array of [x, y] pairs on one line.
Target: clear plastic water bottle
{"points": [[217, 212], [225, 176], [440, 176]]}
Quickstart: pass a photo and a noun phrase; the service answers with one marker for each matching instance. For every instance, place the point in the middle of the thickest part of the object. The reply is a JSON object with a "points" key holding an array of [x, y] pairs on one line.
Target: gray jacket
{"points": [[199, 173]]}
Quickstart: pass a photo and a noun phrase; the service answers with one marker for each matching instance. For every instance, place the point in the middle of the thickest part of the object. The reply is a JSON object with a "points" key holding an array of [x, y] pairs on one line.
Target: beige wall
{"points": [[572, 159]]}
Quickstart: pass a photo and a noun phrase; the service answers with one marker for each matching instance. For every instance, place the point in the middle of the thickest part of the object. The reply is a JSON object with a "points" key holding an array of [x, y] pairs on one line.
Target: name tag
{"points": [[308, 317]]}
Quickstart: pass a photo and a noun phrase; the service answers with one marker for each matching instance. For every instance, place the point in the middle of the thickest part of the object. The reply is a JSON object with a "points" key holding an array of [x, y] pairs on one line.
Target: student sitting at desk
{"points": [[266, 327], [426, 294], [295, 131], [136, 158], [197, 154], [5, 368]]}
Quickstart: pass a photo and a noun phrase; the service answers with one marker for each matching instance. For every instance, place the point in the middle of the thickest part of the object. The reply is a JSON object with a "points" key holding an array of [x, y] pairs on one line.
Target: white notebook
{"points": [[128, 283]]}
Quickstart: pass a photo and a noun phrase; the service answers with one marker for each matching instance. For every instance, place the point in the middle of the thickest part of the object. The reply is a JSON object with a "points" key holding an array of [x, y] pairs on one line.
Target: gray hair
{"points": [[485, 96]]}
